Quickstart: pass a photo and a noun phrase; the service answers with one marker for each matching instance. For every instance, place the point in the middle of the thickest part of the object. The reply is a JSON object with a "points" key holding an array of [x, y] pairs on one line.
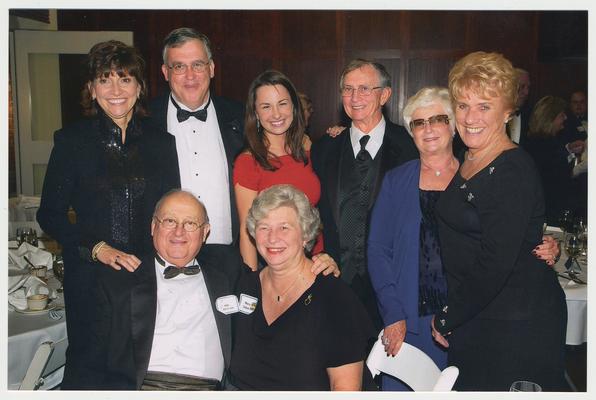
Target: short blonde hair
{"points": [[286, 196], [426, 97], [487, 74], [544, 114]]}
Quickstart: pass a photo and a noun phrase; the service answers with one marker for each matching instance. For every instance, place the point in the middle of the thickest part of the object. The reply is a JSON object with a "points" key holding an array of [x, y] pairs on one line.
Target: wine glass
{"points": [[573, 247]]}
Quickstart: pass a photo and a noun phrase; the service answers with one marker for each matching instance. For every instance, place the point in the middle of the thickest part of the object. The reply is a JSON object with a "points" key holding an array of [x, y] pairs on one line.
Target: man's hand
{"points": [[323, 262]]}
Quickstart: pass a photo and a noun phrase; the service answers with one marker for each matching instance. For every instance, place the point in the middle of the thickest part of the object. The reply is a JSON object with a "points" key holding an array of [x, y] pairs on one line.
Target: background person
{"points": [[111, 169], [555, 163], [295, 331], [505, 317]]}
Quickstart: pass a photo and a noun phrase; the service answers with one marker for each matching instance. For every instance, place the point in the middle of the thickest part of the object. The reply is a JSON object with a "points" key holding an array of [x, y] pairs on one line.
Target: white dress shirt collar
{"points": [[374, 143]]}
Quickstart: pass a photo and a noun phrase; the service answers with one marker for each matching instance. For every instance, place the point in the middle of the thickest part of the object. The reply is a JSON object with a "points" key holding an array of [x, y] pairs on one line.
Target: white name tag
{"points": [[227, 304], [247, 303]]}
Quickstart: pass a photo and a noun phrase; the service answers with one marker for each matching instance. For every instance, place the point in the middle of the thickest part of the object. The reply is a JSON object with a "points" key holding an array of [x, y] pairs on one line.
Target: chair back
{"points": [[412, 366], [49, 357]]}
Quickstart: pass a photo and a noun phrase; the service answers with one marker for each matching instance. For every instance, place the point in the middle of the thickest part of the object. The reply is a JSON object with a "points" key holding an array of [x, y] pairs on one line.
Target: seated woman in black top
{"points": [[295, 330], [111, 168]]}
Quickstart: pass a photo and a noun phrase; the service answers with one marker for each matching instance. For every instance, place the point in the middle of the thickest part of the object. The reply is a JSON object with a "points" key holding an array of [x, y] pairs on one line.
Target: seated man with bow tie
{"points": [[159, 328]]}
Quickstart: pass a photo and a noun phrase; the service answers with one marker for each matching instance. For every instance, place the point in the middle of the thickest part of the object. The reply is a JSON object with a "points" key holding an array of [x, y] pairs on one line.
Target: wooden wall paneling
{"points": [[506, 32], [236, 72], [373, 29], [427, 72], [308, 34], [318, 78], [559, 79], [437, 29], [251, 32]]}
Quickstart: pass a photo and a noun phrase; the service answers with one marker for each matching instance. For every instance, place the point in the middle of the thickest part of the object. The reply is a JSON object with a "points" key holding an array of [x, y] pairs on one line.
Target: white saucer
{"points": [[36, 312]]}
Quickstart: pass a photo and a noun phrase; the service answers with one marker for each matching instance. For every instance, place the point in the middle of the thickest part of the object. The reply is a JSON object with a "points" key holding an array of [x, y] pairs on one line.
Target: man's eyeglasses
{"points": [[197, 66], [432, 121], [171, 223], [347, 91]]}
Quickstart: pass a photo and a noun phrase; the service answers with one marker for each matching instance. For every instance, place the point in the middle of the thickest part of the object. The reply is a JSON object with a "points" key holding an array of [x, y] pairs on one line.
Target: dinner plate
{"points": [[36, 312]]}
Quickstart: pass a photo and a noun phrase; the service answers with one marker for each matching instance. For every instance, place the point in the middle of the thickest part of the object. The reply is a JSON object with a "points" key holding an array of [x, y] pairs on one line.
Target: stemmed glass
{"points": [[573, 247]]}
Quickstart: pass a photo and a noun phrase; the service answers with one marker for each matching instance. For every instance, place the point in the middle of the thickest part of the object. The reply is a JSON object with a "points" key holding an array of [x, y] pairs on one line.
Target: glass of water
{"points": [[525, 386]]}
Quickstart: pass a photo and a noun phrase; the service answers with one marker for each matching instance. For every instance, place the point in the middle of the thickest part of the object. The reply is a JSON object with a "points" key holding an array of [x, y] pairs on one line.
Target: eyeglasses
{"points": [[171, 223], [347, 91], [432, 121], [197, 66]]}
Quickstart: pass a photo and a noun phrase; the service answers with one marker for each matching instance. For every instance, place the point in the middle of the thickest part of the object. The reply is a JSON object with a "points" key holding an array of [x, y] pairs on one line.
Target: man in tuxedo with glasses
{"points": [[208, 131], [167, 326]]}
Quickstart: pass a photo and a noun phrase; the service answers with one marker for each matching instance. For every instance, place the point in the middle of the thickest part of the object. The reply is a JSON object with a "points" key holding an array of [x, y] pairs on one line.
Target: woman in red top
{"points": [[278, 151]]}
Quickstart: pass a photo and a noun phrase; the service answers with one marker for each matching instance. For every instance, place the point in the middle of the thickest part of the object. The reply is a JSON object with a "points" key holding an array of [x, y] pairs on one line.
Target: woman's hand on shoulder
{"points": [[393, 337], [549, 250], [335, 130], [324, 263], [117, 259]]}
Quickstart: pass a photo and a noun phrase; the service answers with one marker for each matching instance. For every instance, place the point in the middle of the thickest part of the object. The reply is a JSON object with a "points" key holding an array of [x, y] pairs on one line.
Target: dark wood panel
{"points": [[511, 33], [437, 30], [427, 72], [373, 30], [250, 32], [308, 32], [318, 78], [237, 72]]}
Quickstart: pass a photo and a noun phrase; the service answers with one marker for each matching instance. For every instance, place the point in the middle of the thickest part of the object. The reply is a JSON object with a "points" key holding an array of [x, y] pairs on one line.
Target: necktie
{"points": [[363, 154], [172, 271], [183, 115]]}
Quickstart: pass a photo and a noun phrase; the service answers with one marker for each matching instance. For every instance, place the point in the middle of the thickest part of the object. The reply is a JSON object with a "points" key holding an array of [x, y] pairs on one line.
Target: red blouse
{"points": [[249, 174]]}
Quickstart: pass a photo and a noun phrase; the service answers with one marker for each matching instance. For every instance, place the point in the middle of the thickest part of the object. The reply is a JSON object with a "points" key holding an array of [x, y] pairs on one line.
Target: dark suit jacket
{"points": [[125, 321], [230, 116], [397, 148]]}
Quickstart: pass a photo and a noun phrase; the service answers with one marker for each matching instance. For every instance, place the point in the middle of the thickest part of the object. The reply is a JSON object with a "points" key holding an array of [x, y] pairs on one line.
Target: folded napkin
{"points": [[37, 256], [32, 285]]}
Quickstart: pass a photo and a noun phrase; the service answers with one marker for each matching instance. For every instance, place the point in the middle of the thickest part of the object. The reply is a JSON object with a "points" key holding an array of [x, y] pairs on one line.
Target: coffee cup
{"points": [[37, 302]]}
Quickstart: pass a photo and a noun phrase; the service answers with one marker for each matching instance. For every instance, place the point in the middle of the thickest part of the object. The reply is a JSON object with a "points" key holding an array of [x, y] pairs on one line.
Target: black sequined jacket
{"points": [[111, 186]]}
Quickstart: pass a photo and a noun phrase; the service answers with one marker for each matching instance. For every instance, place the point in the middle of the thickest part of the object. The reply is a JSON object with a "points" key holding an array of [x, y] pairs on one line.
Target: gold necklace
{"points": [[280, 297]]}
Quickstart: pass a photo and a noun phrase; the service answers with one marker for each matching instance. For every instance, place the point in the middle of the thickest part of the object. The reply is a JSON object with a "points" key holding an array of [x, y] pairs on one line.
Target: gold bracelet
{"points": [[96, 249]]}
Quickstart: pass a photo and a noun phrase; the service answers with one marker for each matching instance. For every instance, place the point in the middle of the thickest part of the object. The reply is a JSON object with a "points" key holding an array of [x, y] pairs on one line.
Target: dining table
{"points": [[27, 330], [576, 293]]}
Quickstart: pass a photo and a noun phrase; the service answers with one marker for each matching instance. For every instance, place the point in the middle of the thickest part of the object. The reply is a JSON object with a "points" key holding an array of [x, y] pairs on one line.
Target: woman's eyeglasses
{"points": [[432, 121]]}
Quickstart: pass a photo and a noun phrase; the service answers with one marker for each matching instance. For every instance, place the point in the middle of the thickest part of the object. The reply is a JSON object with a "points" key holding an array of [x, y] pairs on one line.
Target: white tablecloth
{"points": [[25, 334], [577, 299]]}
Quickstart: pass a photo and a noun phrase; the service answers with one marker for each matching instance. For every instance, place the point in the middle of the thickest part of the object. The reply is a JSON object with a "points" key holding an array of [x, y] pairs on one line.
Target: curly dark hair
{"points": [[257, 142], [113, 56]]}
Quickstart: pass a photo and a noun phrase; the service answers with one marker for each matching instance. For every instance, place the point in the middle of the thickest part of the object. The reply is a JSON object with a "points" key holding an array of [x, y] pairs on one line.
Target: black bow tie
{"points": [[173, 271], [183, 115]]}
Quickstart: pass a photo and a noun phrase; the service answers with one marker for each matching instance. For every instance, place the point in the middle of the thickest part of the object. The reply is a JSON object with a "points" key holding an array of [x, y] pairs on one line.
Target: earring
{"points": [[258, 125]]}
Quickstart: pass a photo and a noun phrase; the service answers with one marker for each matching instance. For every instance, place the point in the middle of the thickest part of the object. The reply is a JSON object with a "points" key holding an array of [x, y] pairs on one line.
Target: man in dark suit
{"points": [[167, 325], [208, 132], [351, 168], [517, 126], [576, 124]]}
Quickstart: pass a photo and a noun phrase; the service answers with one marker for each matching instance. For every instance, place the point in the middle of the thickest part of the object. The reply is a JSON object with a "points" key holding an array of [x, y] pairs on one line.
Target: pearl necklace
{"points": [[438, 172]]}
